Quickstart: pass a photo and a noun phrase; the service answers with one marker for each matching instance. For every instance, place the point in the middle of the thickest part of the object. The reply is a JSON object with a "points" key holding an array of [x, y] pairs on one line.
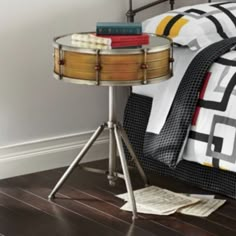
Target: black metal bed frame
{"points": [[132, 12]]}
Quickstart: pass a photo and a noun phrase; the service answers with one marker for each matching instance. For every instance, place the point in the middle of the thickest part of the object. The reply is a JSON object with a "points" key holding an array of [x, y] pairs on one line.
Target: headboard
{"points": [[132, 12]]}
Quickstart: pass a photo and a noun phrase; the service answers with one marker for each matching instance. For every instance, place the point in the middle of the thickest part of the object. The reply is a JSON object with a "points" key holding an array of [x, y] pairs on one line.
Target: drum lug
{"points": [[144, 66], [97, 67], [61, 62]]}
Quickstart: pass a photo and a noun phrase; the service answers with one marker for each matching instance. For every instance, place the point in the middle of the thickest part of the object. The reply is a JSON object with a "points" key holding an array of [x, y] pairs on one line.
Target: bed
{"points": [[186, 128]]}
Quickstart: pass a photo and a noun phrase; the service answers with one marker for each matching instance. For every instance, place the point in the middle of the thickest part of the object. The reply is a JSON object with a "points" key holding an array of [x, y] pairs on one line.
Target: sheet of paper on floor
{"points": [[155, 200], [158, 200], [203, 208], [144, 210]]}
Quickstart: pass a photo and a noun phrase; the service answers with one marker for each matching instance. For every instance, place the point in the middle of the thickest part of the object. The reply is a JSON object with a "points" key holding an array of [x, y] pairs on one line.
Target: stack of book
{"points": [[122, 34], [113, 35]]}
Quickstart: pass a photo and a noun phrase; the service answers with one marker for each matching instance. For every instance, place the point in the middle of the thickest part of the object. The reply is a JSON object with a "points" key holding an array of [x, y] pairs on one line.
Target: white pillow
{"points": [[195, 26]]}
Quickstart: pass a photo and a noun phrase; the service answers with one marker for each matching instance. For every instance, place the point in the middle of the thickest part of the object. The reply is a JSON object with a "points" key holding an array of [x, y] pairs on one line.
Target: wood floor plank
{"points": [[81, 190], [167, 221], [124, 216], [208, 225], [62, 212], [228, 211], [29, 220], [111, 220], [158, 229], [216, 223], [7, 218], [224, 221], [184, 228], [86, 205]]}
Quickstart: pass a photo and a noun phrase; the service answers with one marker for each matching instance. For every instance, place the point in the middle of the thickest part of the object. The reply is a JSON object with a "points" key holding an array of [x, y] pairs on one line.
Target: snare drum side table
{"points": [[112, 67]]}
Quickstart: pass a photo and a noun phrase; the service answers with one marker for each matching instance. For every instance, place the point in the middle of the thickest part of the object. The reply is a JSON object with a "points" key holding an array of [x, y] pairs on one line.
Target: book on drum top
{"points": [[90, 45], [110, 40], [90, 38], [127, 40], [121, 28]]}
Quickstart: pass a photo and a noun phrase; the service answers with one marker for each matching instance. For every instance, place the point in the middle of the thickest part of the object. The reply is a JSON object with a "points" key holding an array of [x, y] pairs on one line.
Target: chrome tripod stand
{"points": [[116, 135]]}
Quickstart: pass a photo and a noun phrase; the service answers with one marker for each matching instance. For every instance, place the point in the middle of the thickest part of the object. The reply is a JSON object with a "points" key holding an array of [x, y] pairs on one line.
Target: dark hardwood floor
{"points": [[86, 205]]}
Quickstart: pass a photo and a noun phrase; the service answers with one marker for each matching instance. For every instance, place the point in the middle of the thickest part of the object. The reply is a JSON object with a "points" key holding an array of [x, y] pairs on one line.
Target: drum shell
{"points": [[113, 68]]}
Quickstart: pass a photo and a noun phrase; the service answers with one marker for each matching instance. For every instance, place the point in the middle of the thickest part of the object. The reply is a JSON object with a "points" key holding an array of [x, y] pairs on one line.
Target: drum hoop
{"points": [[111, 51], [112, 83]]}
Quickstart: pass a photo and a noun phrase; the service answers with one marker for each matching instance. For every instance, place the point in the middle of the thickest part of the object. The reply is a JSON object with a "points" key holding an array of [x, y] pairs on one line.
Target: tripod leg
{"points": [[125, 171], [112, 158], [112, 142], [76, 161], [133, 155]]}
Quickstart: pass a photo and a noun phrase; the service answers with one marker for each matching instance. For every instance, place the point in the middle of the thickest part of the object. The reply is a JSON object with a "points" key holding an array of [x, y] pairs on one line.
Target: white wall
{"points": [[34, 105], [39, 115]]}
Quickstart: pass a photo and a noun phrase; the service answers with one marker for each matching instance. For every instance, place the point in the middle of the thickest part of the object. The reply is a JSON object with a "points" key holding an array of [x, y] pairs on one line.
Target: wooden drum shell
{"points": [[114, 68]]}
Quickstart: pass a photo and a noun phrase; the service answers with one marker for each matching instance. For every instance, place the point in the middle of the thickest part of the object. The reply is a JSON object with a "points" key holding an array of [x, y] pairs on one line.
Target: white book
{"points": [[91, 38]]}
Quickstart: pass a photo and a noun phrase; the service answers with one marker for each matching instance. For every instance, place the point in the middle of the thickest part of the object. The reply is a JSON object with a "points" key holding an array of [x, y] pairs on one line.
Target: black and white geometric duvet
{"points": [[212, 140], [211, 130], [136, 117], [167, 146]]}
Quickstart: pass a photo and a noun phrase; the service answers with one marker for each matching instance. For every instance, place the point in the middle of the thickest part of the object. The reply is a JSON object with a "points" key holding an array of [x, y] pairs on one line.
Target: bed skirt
{"points": [[136, 117]]}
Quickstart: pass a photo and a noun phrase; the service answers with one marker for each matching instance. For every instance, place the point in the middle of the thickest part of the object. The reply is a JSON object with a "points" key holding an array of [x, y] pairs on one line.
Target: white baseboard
{"points": [[49, 154]]}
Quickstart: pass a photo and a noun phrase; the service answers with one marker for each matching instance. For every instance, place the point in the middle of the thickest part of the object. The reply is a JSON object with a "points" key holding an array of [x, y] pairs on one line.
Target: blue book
{"points": [[121, 28]]}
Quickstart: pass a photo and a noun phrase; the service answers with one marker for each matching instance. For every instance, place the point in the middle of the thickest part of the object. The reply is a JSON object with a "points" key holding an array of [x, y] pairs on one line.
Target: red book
{"points": [[127, 40], [128, 43]]}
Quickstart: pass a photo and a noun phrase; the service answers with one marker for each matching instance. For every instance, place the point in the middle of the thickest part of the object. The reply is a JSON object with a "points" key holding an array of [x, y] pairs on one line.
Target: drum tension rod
{"points": [[61, 61], [171, 60], [97, 67], [144, 66]]}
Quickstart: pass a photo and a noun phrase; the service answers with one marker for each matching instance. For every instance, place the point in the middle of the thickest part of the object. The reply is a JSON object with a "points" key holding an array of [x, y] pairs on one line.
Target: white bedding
{"points": [[163, 93], [212, 137], [212, 140]]}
